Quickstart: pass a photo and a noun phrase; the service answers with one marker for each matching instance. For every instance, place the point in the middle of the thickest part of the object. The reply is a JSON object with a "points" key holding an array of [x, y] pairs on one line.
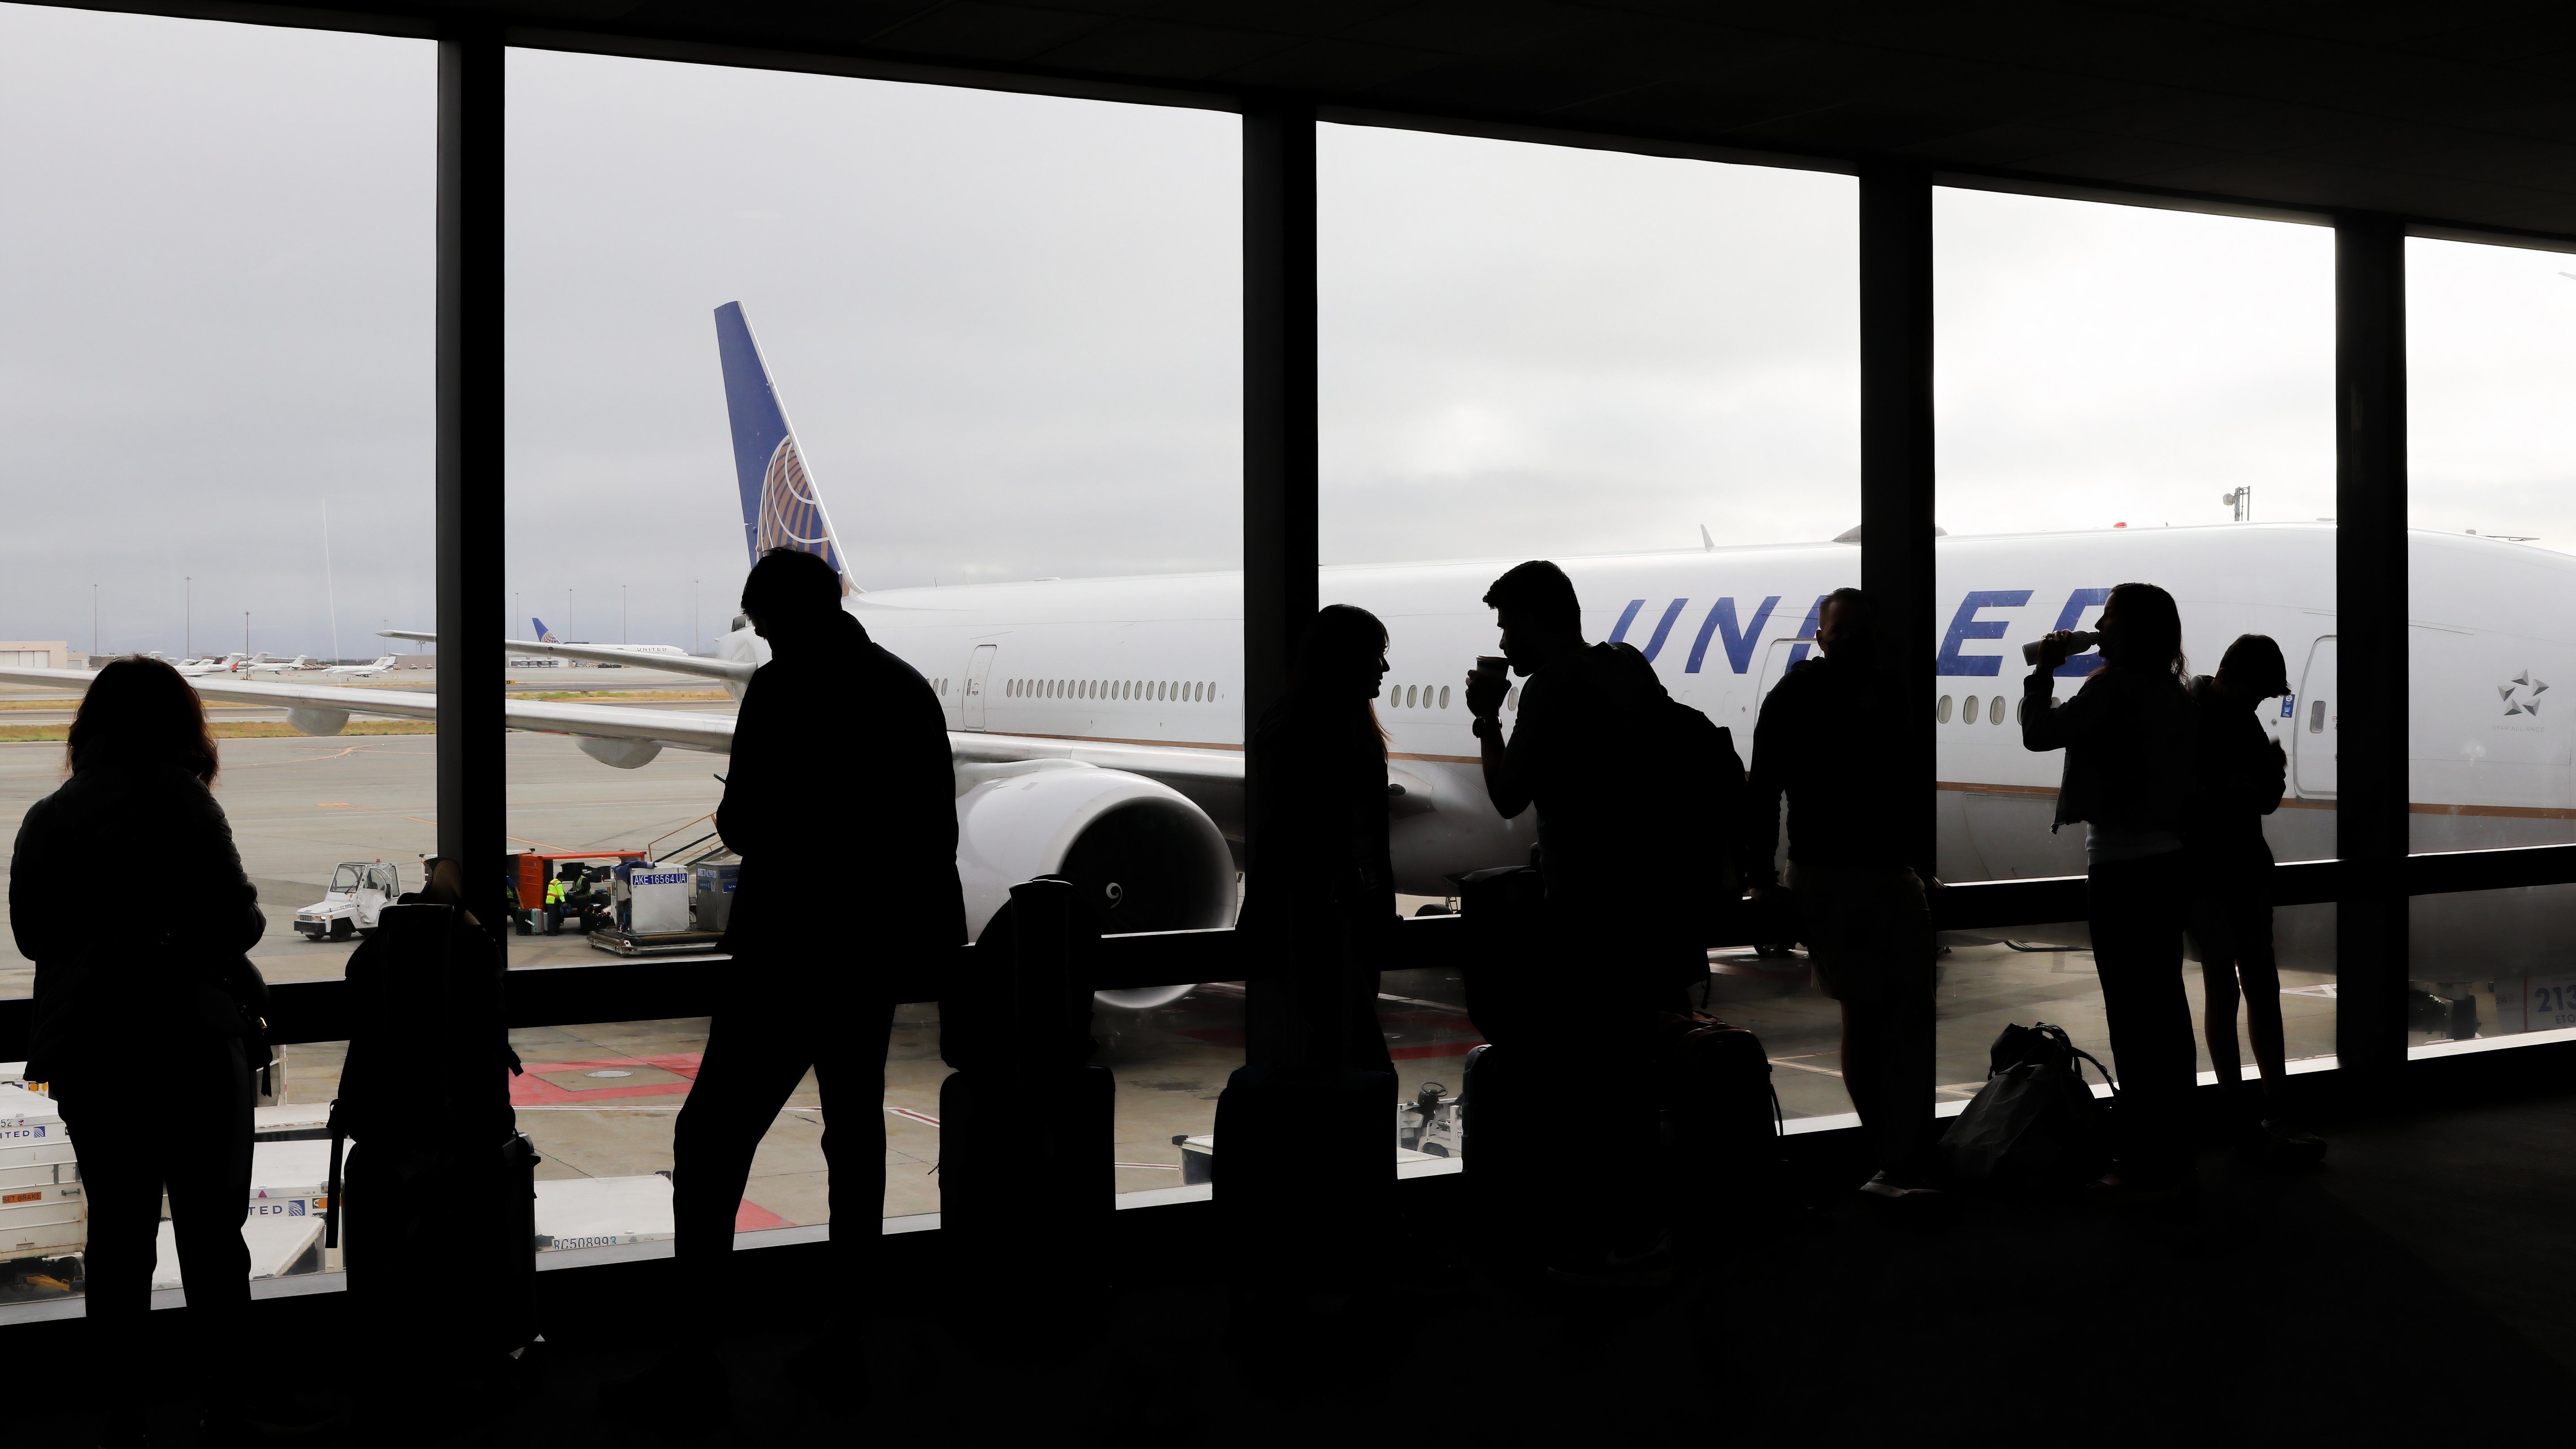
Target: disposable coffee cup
{"points": [[1493, 664], [2076, 643]]}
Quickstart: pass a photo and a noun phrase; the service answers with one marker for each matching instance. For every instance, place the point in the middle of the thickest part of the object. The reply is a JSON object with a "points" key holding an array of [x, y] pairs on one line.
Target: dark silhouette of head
{"points": [[1535, 606], [140, 711], [2142, 629], [791, 594], [2253, 669], [1340, 665], [1847, 627]]}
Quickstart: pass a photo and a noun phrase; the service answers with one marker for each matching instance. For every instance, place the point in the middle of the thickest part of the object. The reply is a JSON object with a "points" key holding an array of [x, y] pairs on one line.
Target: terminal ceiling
{"points": [[2456, 114]]}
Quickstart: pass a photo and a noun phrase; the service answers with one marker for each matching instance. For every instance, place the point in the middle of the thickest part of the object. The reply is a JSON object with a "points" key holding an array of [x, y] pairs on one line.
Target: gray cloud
{"points": [[1007, 328]]}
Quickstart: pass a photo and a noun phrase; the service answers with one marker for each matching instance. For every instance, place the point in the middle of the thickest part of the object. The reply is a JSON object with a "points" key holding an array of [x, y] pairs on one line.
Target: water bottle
{"points": [[2076, 643]]}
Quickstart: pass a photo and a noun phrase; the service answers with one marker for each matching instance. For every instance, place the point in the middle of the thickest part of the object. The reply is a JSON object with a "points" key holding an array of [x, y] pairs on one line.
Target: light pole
{"points": [[245, 636], [568, 611], [93, 623], [696, 639], [621, 615], [187, 617]]}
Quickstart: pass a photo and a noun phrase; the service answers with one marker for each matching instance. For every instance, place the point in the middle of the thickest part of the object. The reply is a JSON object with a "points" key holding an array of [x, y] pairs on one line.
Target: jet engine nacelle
{"points": [[619, 754], [1150, 857], [317, 721]]}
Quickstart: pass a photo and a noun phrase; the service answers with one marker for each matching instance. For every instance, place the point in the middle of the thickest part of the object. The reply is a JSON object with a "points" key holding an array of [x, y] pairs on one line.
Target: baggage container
{"points": [[715, 887], [279, 1247], [48, 1228], [602, 1212], [43, 1213], [653, 900]]}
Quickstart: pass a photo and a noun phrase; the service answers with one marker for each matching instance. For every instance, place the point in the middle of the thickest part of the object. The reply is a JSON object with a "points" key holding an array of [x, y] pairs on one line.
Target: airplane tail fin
{"points": [[780, 508], [544, 634]]}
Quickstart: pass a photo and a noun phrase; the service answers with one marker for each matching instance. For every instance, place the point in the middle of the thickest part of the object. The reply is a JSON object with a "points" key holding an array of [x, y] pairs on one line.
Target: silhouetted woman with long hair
{"points": [[1321, 891], [2131, 738], [141, 1022]]}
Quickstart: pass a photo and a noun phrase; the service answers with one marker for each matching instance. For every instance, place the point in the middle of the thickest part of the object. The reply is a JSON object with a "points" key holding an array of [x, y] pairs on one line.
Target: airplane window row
{"points": [[1971, 707], [1423, 696], [1161, 690]]}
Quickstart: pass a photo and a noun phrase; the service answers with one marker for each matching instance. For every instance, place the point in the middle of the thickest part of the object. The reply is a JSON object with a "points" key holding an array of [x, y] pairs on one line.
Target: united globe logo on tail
{"points": [[780, 508], [790, 515]]}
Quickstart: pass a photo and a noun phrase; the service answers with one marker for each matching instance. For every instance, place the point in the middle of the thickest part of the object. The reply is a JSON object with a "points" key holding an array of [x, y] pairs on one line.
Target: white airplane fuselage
{"points": [[1115, 659]]}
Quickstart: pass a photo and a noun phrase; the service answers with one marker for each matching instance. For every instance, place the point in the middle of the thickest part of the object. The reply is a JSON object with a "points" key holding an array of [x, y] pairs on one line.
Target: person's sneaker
{"points": [[2288, 1145], [1648, 1268]]}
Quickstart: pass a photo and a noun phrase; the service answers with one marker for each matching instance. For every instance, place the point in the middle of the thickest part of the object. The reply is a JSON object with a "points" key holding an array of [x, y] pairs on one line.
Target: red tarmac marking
{"points": [[751, 1217], [1435, 1049], [533, 1090]]}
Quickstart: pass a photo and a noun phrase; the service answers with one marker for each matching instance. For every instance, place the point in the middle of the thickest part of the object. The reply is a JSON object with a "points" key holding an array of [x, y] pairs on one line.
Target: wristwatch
{"points": [[1489, 727]]}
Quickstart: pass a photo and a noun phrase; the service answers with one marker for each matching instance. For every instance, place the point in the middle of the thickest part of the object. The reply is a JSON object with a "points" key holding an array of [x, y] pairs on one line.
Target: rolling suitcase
{"points": [[438, 1195]]}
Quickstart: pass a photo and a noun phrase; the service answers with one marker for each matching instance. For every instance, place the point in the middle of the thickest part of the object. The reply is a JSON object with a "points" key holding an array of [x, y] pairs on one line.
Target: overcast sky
{"points": [[1007, 330]]}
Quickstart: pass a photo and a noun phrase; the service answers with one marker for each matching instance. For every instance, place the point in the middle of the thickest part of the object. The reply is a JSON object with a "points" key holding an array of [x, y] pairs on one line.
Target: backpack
{"points": [[2034, 1126], [1722, 1121]]}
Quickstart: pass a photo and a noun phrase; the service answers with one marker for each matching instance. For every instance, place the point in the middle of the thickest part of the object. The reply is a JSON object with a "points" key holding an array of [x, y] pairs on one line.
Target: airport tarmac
{"points": [[599, 1100]]}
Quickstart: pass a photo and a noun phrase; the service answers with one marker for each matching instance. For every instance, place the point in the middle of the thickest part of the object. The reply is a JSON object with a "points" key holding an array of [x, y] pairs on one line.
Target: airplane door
{"points": [[2313, 739], [970, 705]]}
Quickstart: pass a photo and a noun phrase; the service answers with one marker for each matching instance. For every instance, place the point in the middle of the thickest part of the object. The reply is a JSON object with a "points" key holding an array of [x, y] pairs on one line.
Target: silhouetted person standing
{"points": [[1827, 739], [840, 799], [2130, 740], [141, 1027], [1606, 839], [1321, 891], [2242, 776]]}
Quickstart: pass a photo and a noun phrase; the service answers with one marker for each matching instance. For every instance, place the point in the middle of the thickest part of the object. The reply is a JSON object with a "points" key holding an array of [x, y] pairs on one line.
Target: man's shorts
{"points": [[1867, 930]]}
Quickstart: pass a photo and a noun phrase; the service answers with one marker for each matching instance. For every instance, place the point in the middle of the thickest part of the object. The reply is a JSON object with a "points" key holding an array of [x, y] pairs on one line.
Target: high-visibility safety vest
{"points": [[554, 892]]}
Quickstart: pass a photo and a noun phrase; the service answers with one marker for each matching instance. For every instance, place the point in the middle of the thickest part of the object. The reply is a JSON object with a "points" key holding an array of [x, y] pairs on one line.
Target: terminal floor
{"points": [[2415, 1287]]}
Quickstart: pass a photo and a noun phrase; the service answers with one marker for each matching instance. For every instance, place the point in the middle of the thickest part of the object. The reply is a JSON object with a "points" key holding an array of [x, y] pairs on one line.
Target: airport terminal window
{"points": [[2492, 569], [2070, 337], [218, 450], [1678, 430], [994, 339]]}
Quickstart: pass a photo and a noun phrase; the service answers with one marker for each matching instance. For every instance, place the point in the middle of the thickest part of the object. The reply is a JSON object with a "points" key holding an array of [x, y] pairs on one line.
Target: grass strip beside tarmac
{"points": [[232, 730], [560, 694]]}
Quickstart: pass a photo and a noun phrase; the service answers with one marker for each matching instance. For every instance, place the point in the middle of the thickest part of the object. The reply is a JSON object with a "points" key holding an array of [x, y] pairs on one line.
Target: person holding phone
{"points": [[2131, 743]]}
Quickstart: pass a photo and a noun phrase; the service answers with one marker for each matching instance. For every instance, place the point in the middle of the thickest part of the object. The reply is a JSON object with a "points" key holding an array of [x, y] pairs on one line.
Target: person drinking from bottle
{"points": [[2131, 745]]}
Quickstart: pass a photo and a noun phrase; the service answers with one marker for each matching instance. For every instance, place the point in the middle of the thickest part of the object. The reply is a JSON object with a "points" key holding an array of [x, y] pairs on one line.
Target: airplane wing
{"points": [[322, 709], [320, 699], [730, 670]]}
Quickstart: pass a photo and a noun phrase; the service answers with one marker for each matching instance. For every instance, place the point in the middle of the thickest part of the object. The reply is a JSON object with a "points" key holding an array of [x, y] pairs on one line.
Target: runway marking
{"points": [[369, 810], [915, 1116], [1150, 1166], [300, 759]]}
